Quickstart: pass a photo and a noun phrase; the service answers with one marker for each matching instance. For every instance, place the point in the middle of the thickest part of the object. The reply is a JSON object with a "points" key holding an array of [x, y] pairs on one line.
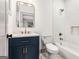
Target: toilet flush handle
{"points": [[61, 38]]}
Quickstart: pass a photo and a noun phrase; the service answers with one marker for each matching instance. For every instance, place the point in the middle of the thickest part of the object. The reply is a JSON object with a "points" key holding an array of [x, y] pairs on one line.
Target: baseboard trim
{"points": [[3, 57]]}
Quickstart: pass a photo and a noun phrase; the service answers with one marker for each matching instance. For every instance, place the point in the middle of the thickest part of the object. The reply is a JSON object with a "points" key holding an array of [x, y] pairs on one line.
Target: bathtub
{"points": [[68, 51]]}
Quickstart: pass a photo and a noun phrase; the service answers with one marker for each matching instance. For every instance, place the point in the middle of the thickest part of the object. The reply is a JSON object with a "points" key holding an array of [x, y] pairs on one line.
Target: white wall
{"points": [[2, 29], [58, 19], [43, 16], [64, 22], [72, 19]]}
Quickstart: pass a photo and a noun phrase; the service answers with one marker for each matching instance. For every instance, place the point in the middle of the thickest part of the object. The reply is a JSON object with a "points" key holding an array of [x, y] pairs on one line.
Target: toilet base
{"points": [[52, 56]]}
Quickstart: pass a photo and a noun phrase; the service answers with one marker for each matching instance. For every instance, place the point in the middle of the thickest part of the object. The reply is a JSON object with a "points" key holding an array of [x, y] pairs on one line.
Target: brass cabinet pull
{"points": [[24, 50]]}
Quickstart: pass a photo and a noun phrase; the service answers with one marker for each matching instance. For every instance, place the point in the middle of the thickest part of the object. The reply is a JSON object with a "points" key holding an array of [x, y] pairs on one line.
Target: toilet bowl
{"points": [[52, 50]]}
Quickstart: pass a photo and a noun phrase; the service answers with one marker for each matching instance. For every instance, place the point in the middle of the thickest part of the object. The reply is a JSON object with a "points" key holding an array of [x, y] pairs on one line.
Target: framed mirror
{"points": [[25, 14]]}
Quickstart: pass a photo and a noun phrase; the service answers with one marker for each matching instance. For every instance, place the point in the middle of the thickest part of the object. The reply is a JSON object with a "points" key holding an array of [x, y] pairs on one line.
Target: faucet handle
{"points": [[60, 34]]}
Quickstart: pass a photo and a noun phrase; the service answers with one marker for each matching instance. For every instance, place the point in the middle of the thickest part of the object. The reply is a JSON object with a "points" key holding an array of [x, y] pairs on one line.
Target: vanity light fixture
{"points": [[21, 3], [30, 5]]}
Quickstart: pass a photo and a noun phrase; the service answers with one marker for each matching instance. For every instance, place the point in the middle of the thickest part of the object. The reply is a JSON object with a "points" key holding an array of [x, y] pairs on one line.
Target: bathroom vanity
{"points": [[26, 47]]}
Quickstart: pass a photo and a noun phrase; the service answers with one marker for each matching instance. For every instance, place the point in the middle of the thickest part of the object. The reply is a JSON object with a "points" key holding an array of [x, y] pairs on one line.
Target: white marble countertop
{"points": [[25, 35]]}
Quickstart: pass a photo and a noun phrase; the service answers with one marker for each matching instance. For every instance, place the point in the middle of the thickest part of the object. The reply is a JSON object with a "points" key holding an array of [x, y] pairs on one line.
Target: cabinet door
{"points": [[2, 17], [3, 49], [32, 52], [24, 52], [15, 52]]}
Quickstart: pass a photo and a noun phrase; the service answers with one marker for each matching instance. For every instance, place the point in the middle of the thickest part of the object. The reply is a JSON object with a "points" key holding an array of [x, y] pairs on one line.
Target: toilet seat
{"points": [[52, 48]]}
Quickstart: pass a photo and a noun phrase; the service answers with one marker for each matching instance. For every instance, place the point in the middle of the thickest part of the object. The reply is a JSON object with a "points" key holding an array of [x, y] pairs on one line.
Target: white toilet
{"points": [[52, 50]]}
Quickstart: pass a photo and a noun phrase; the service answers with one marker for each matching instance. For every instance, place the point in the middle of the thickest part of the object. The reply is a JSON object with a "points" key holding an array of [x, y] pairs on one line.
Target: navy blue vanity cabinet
{"points": [[24, 48]]}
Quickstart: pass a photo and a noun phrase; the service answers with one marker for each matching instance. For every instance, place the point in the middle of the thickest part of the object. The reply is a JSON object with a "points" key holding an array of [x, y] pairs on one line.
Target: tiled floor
{"points": [[45, 57]]}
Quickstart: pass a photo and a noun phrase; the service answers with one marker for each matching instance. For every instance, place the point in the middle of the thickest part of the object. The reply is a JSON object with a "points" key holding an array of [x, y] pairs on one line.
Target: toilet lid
{"points": [[51, 46]]}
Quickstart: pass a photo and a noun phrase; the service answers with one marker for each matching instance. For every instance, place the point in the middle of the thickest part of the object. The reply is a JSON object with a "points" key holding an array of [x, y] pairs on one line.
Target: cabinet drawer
{"points": [[24, 40]]}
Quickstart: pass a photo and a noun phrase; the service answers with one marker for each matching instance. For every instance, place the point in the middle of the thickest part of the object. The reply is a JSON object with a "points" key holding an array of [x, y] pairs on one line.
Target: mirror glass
{"points": [[25, 14]]}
